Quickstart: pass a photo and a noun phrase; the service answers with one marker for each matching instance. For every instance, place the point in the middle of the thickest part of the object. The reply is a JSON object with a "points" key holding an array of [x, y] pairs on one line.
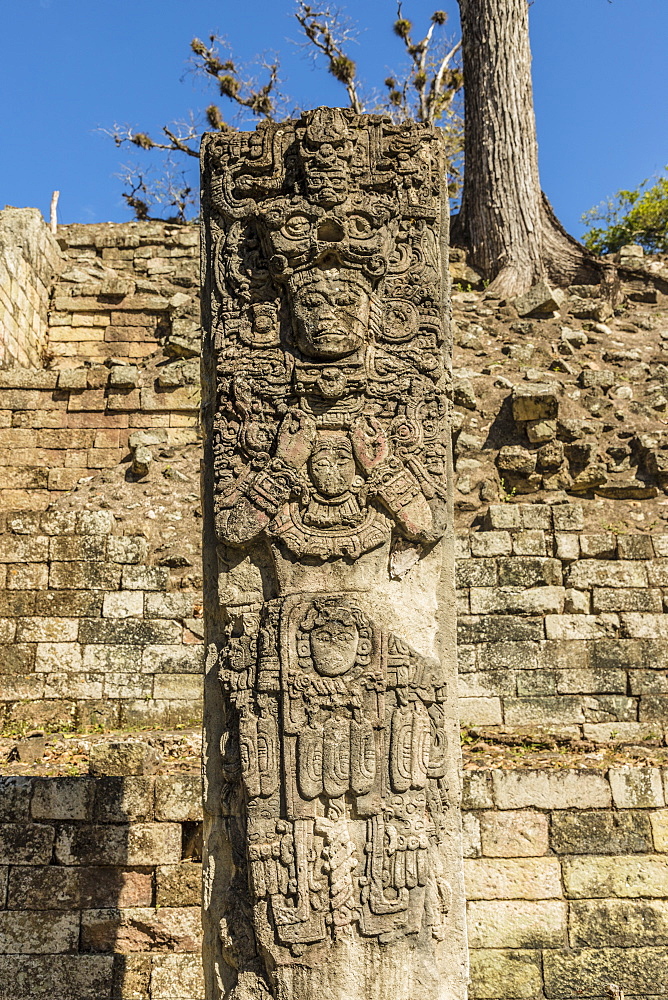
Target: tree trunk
{"points": [[505, 221]]}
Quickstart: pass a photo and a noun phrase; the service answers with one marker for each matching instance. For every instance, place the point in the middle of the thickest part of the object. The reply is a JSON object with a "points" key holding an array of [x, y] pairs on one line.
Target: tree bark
{"points": [[505, 221]]}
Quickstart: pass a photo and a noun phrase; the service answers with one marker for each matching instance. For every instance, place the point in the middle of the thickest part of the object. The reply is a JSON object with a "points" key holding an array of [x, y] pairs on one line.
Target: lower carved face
{"points": [[334, 647], [332, 466], [331, 316]]}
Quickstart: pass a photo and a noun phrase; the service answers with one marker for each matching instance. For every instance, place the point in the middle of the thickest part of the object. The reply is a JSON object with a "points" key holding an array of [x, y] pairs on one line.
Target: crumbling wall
{"points": [[566, 877], [29, 260]]}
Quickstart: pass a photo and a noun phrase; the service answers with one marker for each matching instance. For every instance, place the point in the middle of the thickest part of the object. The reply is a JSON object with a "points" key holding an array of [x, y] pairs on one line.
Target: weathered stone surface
{"points": [[22, 844], [500, 973], [123, 757], [68, 977], [636, 787], [57, 887], [123, 799], [178, 885], [62, 798], [15, 793], [601, 832], [637, 876], [517, 878], [618, 923], [639, 971], [514, 834], [177, 974], [329, 451], [516, 924], [137, 844], [166, 928], [178, 798], [45, 933], [550, 790]]}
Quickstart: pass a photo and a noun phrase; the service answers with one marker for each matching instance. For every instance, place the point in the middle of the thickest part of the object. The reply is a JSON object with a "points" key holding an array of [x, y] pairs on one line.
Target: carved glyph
{"points": [[328, 440]]}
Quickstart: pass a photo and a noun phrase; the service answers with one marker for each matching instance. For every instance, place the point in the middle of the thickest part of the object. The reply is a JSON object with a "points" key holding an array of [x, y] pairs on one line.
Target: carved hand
{"points": [[295, 438], [370, 444]]}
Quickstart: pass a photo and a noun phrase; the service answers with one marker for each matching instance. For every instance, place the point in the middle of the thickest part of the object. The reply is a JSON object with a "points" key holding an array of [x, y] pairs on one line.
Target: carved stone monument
{"points": [[333, 867]]}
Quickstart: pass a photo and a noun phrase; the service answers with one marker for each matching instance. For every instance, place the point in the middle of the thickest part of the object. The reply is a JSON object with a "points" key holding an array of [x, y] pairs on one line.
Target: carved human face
{"points": [[332, 467], [334, 646], [331, 317]]}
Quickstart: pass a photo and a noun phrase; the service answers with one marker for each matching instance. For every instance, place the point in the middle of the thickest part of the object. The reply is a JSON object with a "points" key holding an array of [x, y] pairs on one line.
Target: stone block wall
{"points": [[91, 633], [562, 628], [100, 888], [566, 878], [125, 291], [29, 260], [57, 427]]}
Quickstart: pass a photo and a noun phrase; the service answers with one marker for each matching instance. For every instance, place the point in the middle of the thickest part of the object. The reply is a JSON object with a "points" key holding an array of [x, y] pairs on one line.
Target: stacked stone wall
{"points": [[559, 629], [562, 628], [29, 260], [566, 877], [92, 634]]}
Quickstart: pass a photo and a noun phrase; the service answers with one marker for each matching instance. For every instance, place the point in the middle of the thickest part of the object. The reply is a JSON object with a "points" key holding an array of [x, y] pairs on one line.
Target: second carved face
{"points": [[331, 316]]}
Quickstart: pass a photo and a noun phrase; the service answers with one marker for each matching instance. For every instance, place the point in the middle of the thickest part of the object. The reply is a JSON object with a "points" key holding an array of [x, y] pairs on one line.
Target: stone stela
{"points": [[333, 864]]}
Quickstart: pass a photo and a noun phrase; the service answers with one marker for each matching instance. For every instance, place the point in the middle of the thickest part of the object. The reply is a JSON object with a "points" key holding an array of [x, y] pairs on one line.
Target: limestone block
{"points": [[516, 923], [660, 545], [618, 923], [84, 575], [471, 847], [627, 599], [601, 832], [46, 932], [477, 790], [23, 548], [659, 821], [127, 549], [509, 656], [514, 600], [62, 799], [636, 625], [534, 401], [125, 685], [487, 544], [635, 547], [177, 974], [60, 888], [606, 573], [57, 522], [635, 876], [550, 790], [126, 799], [476, 573], [639, 971], [47, 629], [172, 659], [76, 548], [599, 545], [503, 517], [112, 657], [123, 757], [182, 687], [184, 398], [137, 844], [543, 711], [486, 684], [178, 797], [25, 845], [15, 792], [576, 626], [177, 605], [529, 571], [480, 712], [530, 542], [507, 974], [516, 878], [67, 977], [123, 604], [621, 732], [32, 576], [588, 681], [95, 522], [178, 885], [168, 928], [130, 630], [145, 578], [657, 572], [636, 787], [514, 834], [499, 628]]}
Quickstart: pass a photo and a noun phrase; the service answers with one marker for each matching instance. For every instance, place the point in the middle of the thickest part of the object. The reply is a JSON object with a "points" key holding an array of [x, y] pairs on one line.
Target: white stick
{"points": [[53, 219]]}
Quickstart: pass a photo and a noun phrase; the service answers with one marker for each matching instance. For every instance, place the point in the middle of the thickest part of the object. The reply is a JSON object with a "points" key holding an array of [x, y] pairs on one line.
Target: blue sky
{"points": [[68, 67]]}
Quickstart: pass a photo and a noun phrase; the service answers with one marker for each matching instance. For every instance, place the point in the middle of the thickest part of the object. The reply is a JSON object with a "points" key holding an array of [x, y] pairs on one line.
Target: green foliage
{"points": [[639, 216]]}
